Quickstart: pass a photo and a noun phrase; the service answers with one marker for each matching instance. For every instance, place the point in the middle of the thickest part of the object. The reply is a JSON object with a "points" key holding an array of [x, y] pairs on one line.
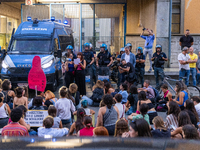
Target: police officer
{"points": [[93, 65], [140, 64], [70, 50], [89, 58], [159, 59], [122, 51], [104, 60]]}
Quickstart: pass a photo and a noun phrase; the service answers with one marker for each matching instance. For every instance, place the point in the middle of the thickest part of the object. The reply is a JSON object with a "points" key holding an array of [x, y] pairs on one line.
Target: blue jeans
{"points": [[193, 71], [140, 73], [184, 73], [198, 78], [158, 72]]}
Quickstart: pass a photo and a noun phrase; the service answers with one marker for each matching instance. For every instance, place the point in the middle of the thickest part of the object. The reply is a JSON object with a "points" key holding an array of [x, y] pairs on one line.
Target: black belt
{"points": [[4, 118]]}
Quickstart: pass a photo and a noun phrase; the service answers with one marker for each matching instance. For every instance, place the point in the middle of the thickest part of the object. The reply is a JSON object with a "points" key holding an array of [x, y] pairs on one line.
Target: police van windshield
{"points": [[30, 45]]}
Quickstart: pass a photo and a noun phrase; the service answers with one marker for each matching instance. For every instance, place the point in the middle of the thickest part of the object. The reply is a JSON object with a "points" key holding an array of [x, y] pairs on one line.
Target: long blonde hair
{"points": [[159, 123], [99, 84]]}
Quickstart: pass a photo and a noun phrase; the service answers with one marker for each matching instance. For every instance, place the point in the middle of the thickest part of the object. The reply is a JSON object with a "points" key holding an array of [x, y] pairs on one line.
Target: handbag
{"points": [[123, 117]]}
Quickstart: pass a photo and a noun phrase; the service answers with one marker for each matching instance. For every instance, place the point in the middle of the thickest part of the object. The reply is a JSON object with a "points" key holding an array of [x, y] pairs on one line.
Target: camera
{"points": [[144, 29]]}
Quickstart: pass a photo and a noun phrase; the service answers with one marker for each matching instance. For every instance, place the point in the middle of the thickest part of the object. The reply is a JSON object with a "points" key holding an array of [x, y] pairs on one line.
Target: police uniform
{"points": [[104, 60], [159, 66], [139, 67], [88, 55]]}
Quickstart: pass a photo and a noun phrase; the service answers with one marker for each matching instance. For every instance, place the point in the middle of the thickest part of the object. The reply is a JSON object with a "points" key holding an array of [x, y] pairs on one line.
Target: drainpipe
{"points": [[140, 16], [170, 33]]}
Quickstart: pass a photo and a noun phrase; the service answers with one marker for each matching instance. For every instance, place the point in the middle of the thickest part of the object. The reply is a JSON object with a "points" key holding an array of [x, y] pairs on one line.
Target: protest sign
{"points": [[36, 76], [35, 117]]}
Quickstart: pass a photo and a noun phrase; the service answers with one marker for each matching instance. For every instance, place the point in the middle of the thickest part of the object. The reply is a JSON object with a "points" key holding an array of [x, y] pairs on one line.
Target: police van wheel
{"points": [[53, 86]]}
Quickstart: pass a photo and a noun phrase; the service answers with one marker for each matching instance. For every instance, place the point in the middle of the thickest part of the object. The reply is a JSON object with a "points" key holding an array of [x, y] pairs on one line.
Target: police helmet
{"points": [[103, 46], [122, 49], [69, 47], [128, 45], [87, 45], [159, 46], [139, 48], [91, 45]]}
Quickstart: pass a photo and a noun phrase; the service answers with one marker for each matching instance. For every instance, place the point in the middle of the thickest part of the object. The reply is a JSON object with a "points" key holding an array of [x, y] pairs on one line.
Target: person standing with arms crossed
{"points": [[148, 45], [192, 65]]}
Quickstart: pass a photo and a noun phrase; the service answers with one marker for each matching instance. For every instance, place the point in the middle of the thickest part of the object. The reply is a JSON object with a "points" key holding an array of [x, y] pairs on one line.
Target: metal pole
{"points": [[125, 13], [63, 13], [93, 39], [80, 27], [170, 33]]}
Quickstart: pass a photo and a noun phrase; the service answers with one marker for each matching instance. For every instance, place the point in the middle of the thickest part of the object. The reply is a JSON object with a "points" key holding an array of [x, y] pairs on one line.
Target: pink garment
{"points": [[79, 67], [9, 121], [165, 94]]}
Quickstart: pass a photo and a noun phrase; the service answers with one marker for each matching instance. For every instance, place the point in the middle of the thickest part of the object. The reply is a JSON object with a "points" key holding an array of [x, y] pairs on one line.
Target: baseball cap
{"points": [[185, 48]]}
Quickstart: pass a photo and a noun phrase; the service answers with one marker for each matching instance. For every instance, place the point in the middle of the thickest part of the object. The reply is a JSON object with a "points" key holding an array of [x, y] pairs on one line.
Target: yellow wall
{"points": [[148, 15], [192, 17]]}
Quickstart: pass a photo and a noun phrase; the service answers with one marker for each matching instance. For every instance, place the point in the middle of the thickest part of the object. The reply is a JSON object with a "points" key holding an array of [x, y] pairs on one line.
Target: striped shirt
{"points": [[172, 122], [14, 129]]}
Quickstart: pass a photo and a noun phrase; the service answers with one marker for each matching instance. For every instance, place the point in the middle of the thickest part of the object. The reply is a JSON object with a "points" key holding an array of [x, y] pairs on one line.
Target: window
{"points": [[97, 23], [176, 17], [83, 23], [83, 36], [97, 36]]}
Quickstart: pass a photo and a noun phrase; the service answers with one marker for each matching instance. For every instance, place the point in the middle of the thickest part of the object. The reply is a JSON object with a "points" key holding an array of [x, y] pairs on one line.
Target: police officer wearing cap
{"points": [[70, 50], [89, 58], [104, 59], [140, 64], [159, 59]]}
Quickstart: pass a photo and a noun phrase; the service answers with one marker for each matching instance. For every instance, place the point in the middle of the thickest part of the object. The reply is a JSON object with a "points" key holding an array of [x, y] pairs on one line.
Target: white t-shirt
{"points": [[183, 57], [121, 109], [197, 107], [127, 58]]}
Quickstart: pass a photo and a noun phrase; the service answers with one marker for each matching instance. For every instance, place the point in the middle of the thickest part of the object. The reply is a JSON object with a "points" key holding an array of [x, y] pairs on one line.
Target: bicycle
{"points": [[192, 90]]}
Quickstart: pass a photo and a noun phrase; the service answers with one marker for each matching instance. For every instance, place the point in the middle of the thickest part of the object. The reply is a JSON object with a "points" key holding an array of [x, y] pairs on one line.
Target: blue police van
{"points": [[47, 39]]}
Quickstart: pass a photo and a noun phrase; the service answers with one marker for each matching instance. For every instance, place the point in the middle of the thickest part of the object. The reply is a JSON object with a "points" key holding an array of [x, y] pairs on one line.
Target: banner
{"points": [[103, 78], [35, 117]]}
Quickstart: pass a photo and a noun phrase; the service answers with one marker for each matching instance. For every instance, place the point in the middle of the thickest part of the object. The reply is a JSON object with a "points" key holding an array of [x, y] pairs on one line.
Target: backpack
{"points": [[155, 92]]}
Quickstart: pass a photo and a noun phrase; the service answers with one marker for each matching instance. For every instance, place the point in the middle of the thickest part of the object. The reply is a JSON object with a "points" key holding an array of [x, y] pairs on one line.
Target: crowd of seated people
{"points": [[125, 113]]}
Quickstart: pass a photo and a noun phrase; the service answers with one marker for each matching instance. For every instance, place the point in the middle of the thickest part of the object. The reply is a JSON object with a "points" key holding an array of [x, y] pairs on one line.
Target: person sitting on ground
{"points": [[8, 93], [88, 130], [84, 105], [181, 94], [100, 131], [109, 89], [48, 130], [108, 115], [161, 105], [39, 93], [64, 107], [25, 91], [148, 89], [14, 128], [141, 100], [73, 89], [121, 107], [38, 104], [190, 132], [183, 119], [189, 107], [98, 91], [121, 127], [132, 100], [143, 113], [57, 121], [138, 128], [22, 121], [78, 125], [123, 91], [4, 112], [172, 116], [196, 101], [1, 85], [160, 130], [50, 99], [20, 99]]}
